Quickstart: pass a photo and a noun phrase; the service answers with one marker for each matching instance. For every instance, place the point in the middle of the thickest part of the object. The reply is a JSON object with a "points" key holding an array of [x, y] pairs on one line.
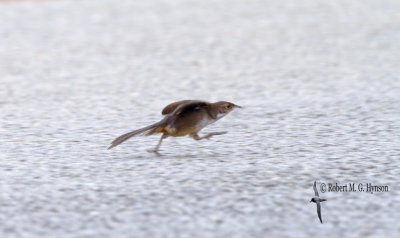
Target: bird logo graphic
{"points": [[318, 201]]}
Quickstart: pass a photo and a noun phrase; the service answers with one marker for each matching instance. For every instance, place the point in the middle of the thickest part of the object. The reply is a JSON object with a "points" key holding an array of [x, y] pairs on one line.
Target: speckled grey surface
{"points": [[319, 81]]}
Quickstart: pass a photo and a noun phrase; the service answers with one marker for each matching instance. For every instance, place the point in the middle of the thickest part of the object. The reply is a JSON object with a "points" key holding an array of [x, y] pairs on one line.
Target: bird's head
{"points": [[225, 107]]}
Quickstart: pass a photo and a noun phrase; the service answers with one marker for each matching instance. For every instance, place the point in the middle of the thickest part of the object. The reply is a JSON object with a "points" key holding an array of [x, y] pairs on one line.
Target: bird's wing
{"points": [[315, 189], [319, 211], [171, 107], [182, 110], [190, 106]]}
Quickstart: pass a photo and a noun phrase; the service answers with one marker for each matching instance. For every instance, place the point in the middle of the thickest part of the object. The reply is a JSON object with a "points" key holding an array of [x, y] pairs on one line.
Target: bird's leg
{"points": [[208, 136], [155, 150]]}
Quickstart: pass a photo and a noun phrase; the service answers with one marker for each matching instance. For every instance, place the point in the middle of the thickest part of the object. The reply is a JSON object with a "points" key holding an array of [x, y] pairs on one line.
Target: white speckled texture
{"points": [[320, 86]]}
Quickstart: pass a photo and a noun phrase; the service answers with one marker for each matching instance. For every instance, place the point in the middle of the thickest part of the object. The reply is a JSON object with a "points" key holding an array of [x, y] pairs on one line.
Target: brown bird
{"points": [[186, 117]]}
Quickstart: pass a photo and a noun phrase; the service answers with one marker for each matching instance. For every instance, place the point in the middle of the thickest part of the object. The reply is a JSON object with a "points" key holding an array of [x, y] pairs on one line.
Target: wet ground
{"points": [[319, 81]]}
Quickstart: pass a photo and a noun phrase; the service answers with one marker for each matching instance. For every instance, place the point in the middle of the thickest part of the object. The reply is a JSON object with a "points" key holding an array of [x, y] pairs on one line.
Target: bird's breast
{"points": [[205, 121]]}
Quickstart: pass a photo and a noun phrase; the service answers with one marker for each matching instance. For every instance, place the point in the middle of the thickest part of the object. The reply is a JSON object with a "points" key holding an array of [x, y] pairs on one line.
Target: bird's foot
{"points": [[209, 135], [154, 151]]}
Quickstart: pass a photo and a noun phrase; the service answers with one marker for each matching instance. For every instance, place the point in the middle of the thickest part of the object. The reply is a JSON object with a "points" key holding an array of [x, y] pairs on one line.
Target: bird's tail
{"points": [[148, 130]]}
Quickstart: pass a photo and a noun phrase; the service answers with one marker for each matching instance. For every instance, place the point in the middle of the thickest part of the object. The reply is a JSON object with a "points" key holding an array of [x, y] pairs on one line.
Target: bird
{"points": [[317, 200], [181, 118]]}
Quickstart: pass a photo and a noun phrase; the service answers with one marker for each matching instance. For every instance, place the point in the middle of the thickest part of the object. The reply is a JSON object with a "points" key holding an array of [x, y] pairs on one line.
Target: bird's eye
{"points": [[229, 106]]}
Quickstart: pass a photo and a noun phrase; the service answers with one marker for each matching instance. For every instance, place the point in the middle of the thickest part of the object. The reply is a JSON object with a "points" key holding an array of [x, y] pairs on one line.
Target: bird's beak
{"points": [[238, 106]]}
